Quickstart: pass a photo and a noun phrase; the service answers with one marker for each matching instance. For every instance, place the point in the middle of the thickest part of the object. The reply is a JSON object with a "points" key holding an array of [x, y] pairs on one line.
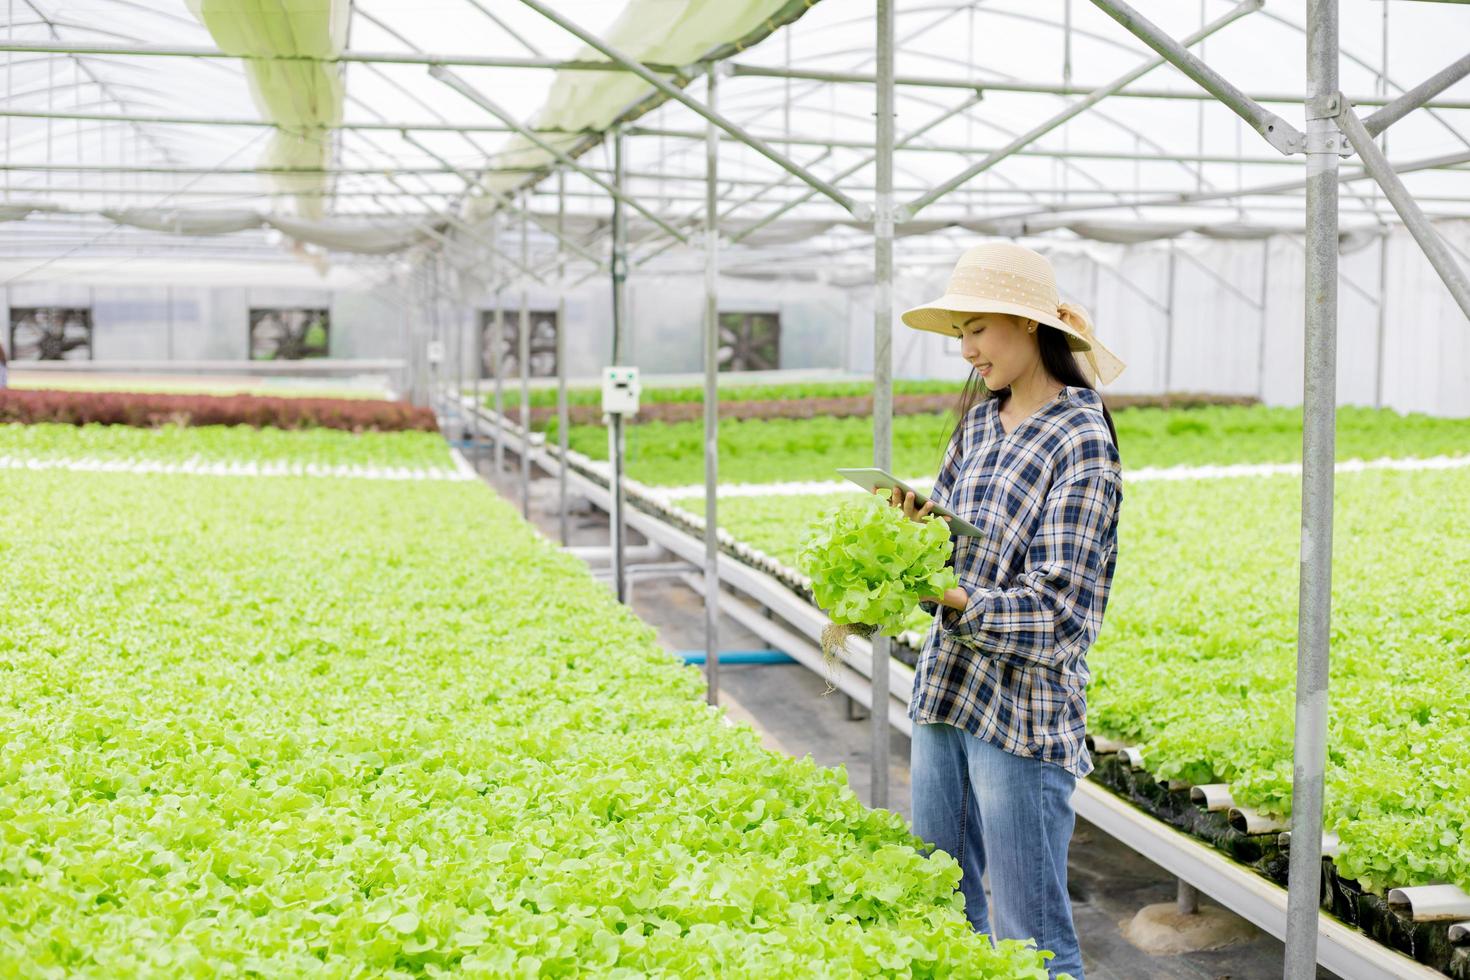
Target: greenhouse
{"points": [[456, 461]]}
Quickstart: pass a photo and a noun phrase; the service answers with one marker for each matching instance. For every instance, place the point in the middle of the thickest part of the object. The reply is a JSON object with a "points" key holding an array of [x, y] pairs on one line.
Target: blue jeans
{"points": [[991, 810]]}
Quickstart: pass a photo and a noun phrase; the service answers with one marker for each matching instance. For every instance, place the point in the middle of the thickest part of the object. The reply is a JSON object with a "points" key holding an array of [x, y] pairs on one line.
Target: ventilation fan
{"points": [[543, 344], [288, 335], [51, 333], [749, 342]]}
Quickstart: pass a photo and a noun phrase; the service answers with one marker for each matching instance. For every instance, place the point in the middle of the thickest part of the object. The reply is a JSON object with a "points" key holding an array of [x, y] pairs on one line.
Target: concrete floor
{"points": [[1108, 881]]}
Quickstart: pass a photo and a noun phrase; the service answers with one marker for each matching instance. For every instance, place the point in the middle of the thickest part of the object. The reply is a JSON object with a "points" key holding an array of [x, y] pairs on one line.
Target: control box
{"points": [[435, 352], [620, 390]]}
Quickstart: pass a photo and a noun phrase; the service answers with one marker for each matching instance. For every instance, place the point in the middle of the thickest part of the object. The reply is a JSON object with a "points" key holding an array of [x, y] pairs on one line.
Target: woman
{"points": [[999, 692]]}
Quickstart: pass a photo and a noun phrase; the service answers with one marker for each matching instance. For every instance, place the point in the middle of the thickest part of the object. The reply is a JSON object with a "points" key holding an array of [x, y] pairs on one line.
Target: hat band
{"points": [[1008, 286]]}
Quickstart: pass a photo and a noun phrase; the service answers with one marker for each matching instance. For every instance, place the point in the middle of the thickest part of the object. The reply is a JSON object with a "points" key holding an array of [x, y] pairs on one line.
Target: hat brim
{"points": [[935, 317]]}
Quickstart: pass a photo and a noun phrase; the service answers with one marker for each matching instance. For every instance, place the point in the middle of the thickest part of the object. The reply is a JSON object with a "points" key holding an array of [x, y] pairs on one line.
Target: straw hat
{"points": [[1001, 277]]}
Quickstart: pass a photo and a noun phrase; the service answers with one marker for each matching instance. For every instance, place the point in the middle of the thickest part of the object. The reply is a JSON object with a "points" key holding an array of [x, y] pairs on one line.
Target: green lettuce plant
{"points": [[412, 740], [1195, 664], [870, 565]]}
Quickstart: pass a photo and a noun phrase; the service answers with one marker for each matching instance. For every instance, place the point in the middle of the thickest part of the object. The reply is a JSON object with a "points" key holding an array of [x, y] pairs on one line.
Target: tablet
{"points": [[871, 479]]}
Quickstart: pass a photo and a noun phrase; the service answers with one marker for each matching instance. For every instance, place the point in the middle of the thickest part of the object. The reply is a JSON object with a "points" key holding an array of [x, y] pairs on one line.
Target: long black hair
{"points": [[1058, 360]]}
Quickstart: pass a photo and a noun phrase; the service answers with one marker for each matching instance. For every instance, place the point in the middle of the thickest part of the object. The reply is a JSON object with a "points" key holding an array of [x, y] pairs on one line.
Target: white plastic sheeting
{"points": [[359, 235], [1118, 232], [673, 32], [184, 222], [303, 98], [1224, 342]]}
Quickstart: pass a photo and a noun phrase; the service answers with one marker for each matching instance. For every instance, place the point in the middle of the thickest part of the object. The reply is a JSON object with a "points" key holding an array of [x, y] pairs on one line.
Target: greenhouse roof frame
{"points": [[1054, 199]]}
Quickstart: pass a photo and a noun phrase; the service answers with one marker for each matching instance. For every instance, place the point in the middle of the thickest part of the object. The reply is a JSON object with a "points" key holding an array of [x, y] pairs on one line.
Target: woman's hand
{"points": [[906, 501], [956, 598]]}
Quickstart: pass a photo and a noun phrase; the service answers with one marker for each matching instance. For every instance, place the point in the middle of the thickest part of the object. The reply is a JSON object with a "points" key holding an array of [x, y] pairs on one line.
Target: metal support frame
{"points": [[1169, 317], [523, 357], [678, 95], [1275, 130], [456, 315], [477, 345], [1309, 754], [1416, 97], [1263, 324], [561, 355], [854, 168], [741, 70], [1403, 202], [505, 202], [1071, 111], [346, 57], [883, 218], [498, 343], [464, 88], [1327, 113], [619, 265], [711, 395], [1186, 898]]}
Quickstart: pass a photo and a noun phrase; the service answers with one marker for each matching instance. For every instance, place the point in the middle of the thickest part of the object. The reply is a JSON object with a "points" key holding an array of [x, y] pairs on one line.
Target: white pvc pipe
{"points": [[1432, 903], [1213, 796], [1103, 745], [1250, 821]]}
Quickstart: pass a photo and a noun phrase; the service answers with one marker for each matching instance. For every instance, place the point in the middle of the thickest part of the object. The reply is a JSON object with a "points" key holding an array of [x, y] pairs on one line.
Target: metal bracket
{"points": [[1332, 142], [1317, 108], [1324, 106]]}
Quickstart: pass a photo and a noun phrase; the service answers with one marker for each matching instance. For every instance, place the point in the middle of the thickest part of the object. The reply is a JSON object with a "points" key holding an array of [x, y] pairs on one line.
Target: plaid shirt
{"points": [[1011, 668]]}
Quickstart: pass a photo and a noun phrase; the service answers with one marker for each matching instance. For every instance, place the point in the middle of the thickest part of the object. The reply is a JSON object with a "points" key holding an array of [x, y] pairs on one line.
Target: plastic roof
{"points": [[76, 168]]}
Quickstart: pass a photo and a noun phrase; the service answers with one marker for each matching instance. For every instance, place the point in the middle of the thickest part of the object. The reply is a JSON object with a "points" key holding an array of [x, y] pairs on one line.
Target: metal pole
{"points": [[711, 399], [1403, 202], [620, 327], [1261, 338], [1199, 110], [523, 355], [1320, 411], [1169, 322], [882, 366], [1066, 79], [561, 351], [436, 380], [420, 324], [461, 335], [1381, 89], [1382, 319], [498, 342], [1416, 96], [1186, 898]]}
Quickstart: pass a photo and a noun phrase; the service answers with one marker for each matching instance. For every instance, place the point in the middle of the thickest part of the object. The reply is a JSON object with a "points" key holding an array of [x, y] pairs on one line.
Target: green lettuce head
{"points": [[870, 565]]}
